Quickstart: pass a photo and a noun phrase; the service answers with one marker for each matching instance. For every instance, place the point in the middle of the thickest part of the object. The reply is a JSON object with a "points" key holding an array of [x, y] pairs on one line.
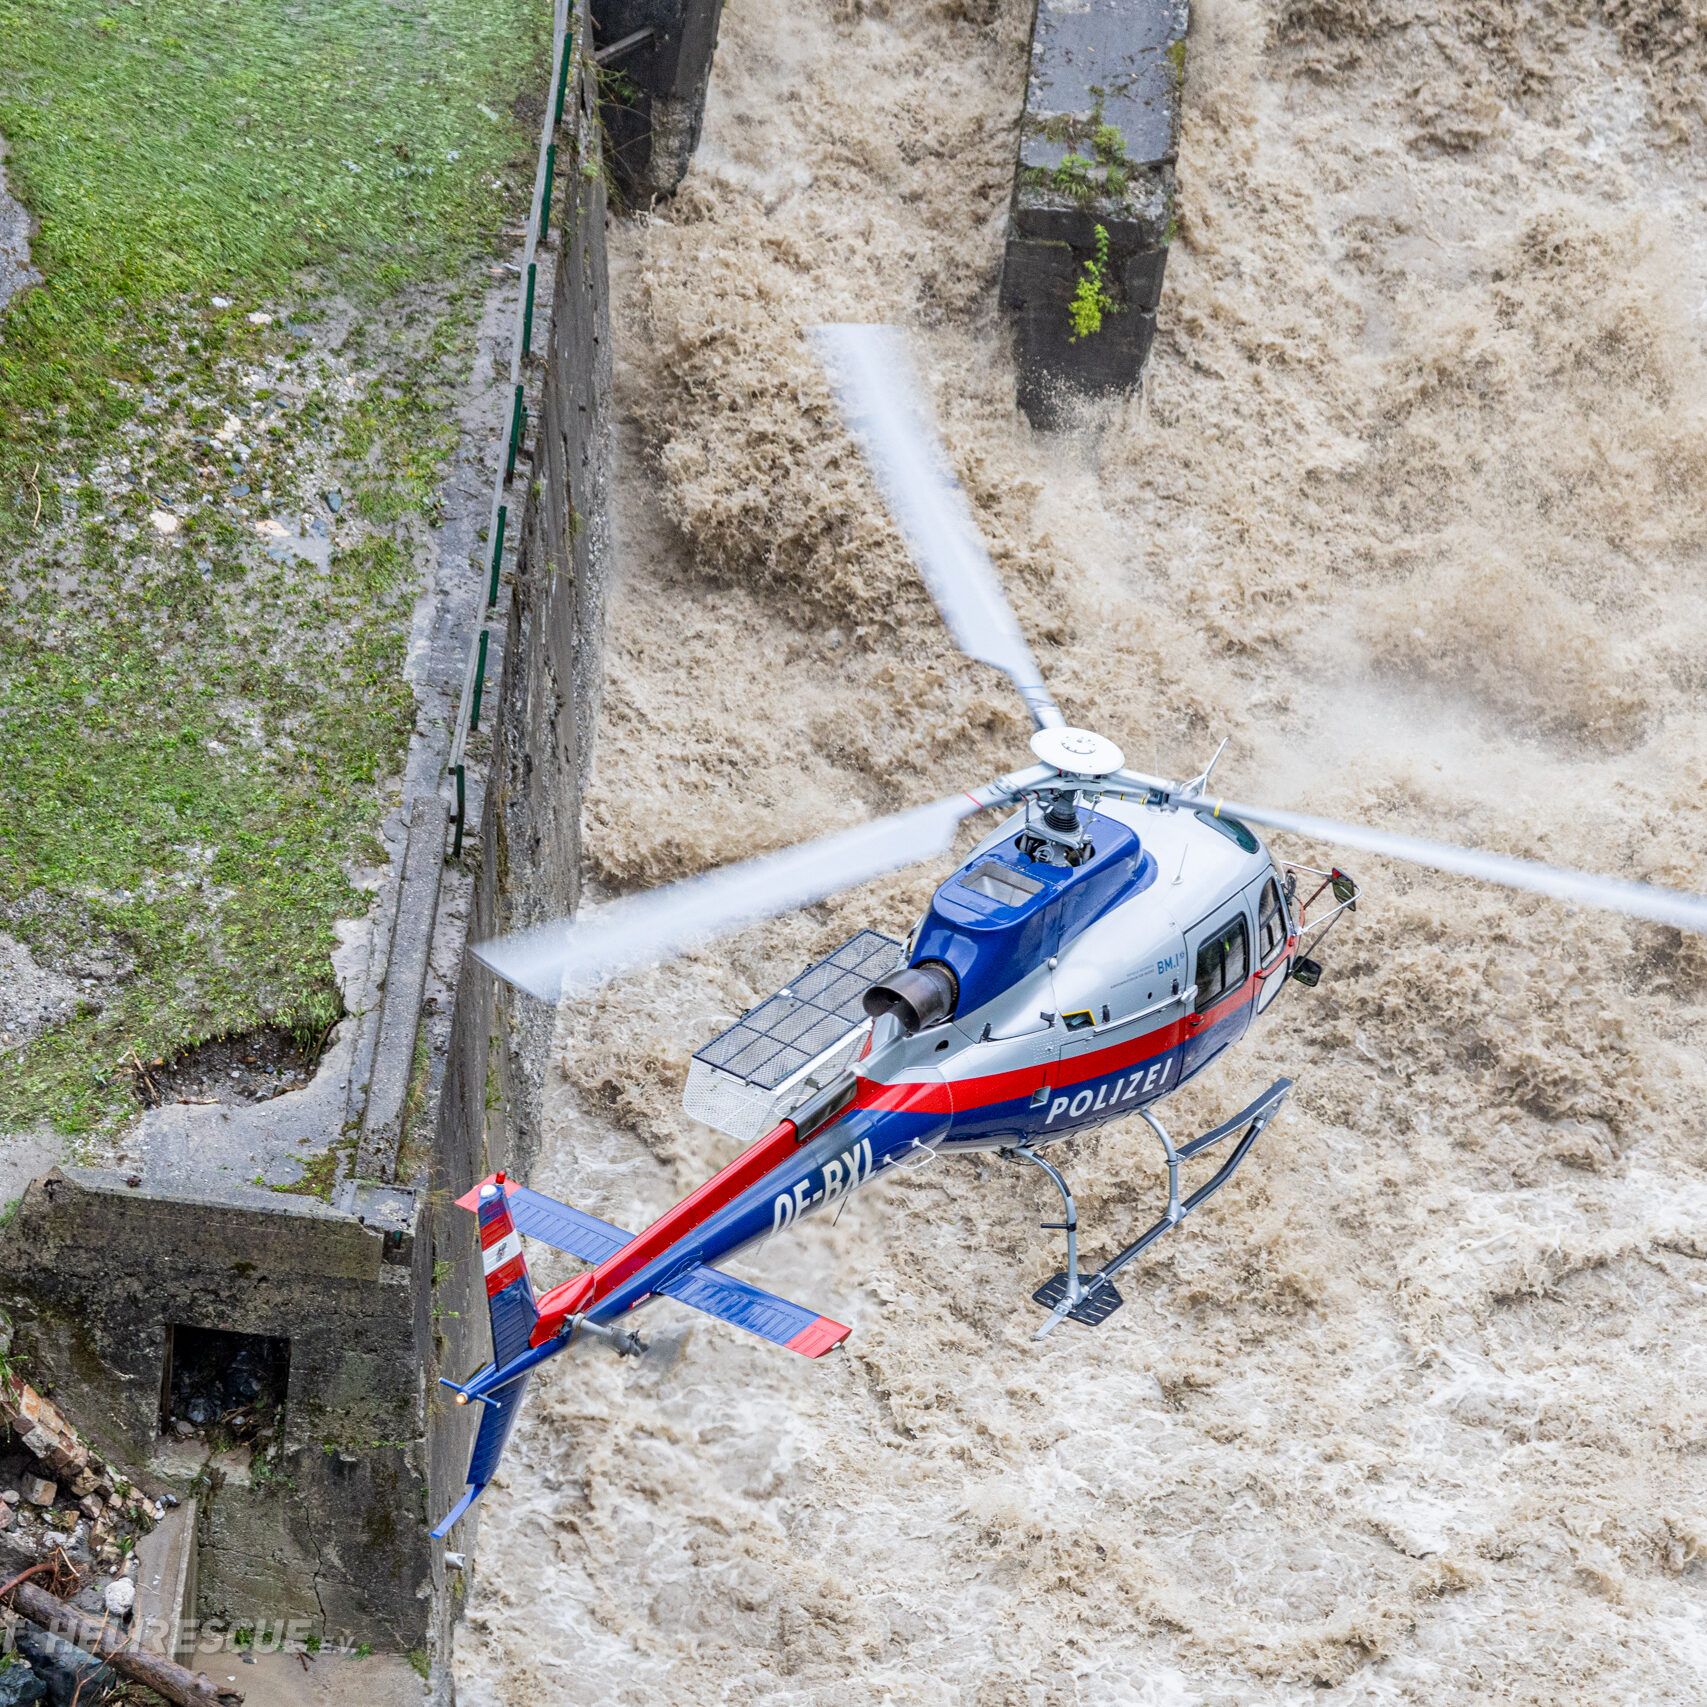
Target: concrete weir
{"points": [[1098, 141]]}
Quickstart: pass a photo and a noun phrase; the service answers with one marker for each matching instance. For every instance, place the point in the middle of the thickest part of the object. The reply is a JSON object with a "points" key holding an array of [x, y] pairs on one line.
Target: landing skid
{"points": [[1092, 1299]]}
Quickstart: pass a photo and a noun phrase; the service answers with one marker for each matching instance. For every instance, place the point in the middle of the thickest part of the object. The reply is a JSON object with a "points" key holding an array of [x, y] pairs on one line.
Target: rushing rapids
{"points": [[1413, 493]]}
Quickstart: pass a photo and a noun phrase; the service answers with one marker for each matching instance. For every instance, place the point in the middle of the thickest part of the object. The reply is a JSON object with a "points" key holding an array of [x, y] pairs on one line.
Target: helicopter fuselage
{"points": [[1135, 968]]}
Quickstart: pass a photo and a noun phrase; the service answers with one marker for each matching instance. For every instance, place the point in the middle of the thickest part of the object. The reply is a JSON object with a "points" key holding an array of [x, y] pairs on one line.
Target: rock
{"points": [[11, 1496], [182, 1428], [19, 1686], [7, 1514], [83, 1483], [91, 1506], [68, 1673], [38, 1490], [120, 1597]]}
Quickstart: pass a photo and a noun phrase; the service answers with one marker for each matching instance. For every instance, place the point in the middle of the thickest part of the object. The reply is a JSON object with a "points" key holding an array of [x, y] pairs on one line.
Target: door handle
{"points": [[1194, 1022]]}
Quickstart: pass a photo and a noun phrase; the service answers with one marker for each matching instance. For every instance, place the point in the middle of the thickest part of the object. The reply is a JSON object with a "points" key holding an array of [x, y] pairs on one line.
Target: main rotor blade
{"points": [[566, 955], [880, 400], [1619, 895]]}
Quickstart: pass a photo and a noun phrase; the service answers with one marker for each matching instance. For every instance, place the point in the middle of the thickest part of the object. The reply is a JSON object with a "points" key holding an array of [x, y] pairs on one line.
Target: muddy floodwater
{"points": [[1412, 509]]}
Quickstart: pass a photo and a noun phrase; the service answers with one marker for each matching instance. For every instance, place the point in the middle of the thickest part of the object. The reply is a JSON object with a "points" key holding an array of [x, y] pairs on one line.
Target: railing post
{"points": [[563, 75], [497, 554], [517, 415], [460, 772], [545, 197], [527, 313], [479, 683]]}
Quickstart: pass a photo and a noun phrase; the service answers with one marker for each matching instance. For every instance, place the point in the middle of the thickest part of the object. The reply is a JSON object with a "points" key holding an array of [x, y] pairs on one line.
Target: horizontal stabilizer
{"points": [[556, 1224], [761, 1313]]}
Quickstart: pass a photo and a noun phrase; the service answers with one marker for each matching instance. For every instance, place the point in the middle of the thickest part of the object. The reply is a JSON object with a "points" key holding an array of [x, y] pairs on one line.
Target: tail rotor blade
{"points": [[1616, 894], [640, 930], [880, 400]]}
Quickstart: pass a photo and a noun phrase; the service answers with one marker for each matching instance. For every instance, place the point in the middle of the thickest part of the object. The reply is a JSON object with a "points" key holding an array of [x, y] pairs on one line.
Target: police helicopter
{"points": [[1106, 941]]}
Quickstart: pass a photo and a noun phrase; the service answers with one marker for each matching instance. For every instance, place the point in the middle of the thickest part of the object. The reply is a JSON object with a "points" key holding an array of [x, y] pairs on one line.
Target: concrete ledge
{"points": [[405, 980], [166, 1580], [1097, 146]]}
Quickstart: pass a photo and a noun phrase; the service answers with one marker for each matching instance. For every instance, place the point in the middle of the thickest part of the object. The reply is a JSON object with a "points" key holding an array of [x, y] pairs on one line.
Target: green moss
{"points": [[321, 1173], [176, 148], [418, 1659], [198, 738]]}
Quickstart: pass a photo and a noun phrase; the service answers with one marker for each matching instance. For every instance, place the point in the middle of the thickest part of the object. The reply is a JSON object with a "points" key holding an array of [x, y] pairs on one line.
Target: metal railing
{"points": [[538, 233]]}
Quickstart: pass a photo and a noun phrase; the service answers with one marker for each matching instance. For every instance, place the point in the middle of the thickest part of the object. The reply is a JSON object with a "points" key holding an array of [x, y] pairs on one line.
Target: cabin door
{"points": [[1219, 947]]}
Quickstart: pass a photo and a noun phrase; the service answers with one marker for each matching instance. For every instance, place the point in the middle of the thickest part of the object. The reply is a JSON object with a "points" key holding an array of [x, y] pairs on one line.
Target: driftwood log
{"points": [[164, 1676]]}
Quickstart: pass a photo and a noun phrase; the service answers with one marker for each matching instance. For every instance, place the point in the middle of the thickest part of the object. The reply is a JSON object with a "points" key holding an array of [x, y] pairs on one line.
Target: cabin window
{"points": [[1271, 923], [1000, 883], [1222, 963], [1232, 829]]}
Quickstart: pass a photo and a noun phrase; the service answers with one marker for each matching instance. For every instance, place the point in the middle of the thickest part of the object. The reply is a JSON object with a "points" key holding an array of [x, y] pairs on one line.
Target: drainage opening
{"points": [[251, 1066], [222, 1387]]}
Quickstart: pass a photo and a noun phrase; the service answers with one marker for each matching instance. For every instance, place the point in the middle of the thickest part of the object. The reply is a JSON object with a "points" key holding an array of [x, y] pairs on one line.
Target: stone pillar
{"points": [[652, 91], [1097, 146]]}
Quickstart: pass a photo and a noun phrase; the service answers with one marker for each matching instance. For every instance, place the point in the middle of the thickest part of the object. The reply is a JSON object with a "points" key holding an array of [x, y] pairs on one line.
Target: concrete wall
{"points": [[488, 1115], [1098, 142], [654, 92], [335, 1534]]}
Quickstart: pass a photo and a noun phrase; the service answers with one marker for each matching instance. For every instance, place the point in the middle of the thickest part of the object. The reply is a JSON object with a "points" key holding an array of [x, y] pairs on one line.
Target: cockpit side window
{"points": [[1271, 923], [1222, 963]]}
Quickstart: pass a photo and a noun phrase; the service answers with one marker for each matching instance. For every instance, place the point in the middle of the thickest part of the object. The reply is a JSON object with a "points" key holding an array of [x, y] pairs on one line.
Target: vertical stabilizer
{"points": [[509, 1300]]}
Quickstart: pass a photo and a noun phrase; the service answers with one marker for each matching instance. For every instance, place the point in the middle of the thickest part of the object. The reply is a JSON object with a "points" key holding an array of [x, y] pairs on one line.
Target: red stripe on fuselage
{"points": [[722, 1188], [964, 1096]]}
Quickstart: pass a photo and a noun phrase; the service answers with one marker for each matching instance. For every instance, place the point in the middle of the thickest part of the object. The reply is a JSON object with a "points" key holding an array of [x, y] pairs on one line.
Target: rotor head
{"points": [[1077, 752]]}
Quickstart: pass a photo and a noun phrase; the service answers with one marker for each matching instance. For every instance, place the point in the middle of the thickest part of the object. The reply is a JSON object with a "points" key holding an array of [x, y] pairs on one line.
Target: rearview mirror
{"points": [[1345, 891], [1308, 973]]}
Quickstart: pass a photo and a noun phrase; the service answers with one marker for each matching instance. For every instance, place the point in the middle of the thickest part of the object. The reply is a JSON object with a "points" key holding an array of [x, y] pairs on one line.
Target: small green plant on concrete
{"points": [[1091, 300], [1073, 176], [418, 1659]]}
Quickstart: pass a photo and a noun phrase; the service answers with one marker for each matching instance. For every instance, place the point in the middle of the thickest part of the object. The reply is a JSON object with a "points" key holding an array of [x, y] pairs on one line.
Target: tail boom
{"points": [[751, 1166]]}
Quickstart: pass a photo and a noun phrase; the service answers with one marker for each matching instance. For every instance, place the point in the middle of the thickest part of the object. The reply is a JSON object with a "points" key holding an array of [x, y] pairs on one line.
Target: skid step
{"points": [[1091, 1311]]}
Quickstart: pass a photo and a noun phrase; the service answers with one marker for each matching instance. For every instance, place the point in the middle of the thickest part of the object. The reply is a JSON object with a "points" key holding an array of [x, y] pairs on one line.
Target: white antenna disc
{"points": [[1078, 752]]}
